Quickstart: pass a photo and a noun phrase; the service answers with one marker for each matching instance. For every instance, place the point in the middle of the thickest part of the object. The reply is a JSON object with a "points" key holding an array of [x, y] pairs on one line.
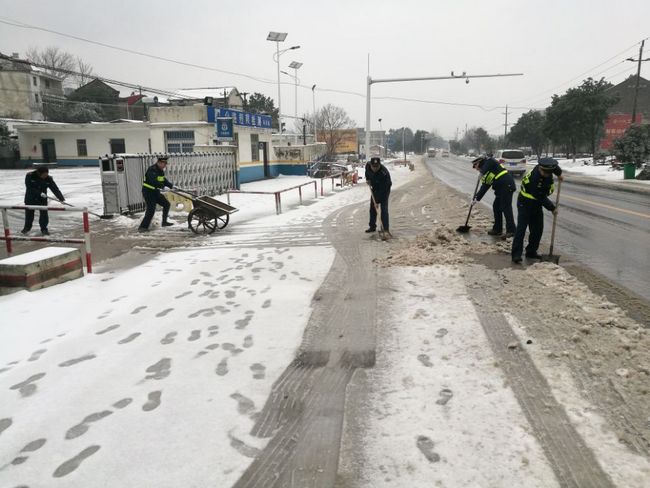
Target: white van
{"points": [[514, 160]]}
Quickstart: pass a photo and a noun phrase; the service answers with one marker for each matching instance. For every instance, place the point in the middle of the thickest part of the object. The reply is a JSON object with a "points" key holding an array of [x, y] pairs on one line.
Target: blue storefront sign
{"points": [[240, 118], [224, 129]]}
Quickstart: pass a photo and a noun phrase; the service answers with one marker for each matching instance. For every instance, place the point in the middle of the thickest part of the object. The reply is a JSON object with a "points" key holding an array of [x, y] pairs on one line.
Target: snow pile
{"points": [[441, 245]]}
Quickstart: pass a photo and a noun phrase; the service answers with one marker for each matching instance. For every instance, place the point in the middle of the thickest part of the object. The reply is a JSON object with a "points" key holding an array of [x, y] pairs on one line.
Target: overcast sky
{"points": [[555, 43]]}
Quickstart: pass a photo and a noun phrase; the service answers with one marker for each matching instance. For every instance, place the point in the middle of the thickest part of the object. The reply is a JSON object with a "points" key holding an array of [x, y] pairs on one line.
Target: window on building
{"points": [[35, 80], [36, 97], [255, 147], [179, 141], [117, 146], [81, 147], [47, 83]]}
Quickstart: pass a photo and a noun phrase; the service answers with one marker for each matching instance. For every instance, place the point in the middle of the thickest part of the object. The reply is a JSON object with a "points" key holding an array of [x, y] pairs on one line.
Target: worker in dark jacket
{"points": [[536, 186], [378, 177], [495, 175], [154, 181], [37, 183]]}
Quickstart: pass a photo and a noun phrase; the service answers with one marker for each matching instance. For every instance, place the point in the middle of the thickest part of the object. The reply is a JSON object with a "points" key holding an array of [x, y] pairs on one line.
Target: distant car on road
{"points": [[445, 154], [513, 160]]}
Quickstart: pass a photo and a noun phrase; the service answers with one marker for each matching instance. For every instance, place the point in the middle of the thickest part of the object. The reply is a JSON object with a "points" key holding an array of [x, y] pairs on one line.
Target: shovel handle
{"points": [[478, 180], [557, 205]]}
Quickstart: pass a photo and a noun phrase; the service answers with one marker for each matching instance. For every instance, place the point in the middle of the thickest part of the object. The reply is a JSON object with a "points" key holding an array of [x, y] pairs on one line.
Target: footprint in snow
{"points": [[37, 354], [129, 338], [195, 335], [169, 338], [248, 341], [107, 329], [222, 367], [259, 371], [138, 309], [426, 445], [424, 359], [153, 401], [445, 395], [72, 464], [441, 333], [82, 427], [164, 312]]}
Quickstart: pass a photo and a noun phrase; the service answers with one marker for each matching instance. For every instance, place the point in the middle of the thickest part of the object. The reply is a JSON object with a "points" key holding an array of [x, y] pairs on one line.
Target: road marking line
{"points": [[631, 212]]}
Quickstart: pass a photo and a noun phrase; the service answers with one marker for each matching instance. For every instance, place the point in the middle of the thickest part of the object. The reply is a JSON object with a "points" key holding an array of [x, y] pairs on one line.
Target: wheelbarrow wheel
{"points": [[201, 223], [222, 221]]}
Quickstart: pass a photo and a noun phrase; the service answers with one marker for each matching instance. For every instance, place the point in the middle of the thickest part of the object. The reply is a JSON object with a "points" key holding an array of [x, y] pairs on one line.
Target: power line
{"points": [[23, 25], [582, 74]]}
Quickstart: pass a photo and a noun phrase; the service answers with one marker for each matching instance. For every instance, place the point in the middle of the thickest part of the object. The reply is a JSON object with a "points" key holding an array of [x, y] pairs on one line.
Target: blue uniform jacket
{"points": [[380, 182], [535, 188], [154, 179], [36, 185]]}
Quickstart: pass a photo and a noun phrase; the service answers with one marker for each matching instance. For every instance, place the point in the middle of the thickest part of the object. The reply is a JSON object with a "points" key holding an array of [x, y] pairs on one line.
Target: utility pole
{"points": [[638, 78], [225, 98], [505, 131], [244, 95], [403, 146]]}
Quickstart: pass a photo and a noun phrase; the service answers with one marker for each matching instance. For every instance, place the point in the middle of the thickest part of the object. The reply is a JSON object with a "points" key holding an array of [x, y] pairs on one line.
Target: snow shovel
{"points": [[464, 229], [105, 217], [550, 257]]}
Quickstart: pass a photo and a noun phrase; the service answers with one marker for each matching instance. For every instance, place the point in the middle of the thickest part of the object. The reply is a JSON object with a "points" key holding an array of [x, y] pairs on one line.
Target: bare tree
{"points": [[53, 59], [85, 72], [330, 122]]}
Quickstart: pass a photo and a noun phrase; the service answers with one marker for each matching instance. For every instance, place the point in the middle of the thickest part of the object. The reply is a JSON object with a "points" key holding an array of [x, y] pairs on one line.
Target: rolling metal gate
{"points": [[210, 173]]}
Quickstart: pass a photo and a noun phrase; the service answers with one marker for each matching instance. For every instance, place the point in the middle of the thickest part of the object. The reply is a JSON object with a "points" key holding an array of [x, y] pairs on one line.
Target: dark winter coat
{"points": [[535, 188], [495, 175], [35, 185], [154, 179], [380, 182]]}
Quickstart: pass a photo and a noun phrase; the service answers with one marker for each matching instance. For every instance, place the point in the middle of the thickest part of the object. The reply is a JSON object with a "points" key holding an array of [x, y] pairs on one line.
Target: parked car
{"points": [[322, 169], [514, 160]]}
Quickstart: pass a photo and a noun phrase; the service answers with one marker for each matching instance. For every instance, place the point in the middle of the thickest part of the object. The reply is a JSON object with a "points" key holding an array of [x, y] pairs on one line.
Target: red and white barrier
{"points": [[8, 238]]}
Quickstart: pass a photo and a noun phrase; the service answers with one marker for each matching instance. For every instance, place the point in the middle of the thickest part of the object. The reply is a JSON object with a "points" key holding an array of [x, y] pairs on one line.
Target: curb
{"points": [[578, 179]]}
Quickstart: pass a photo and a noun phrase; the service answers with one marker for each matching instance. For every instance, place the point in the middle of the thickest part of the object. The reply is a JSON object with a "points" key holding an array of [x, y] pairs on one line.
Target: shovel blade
{"points": [[464, 229], [551, 258]]}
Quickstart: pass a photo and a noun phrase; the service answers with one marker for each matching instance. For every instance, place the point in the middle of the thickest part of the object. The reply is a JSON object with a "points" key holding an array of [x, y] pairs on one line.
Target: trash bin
{"points": [[629, 171]]}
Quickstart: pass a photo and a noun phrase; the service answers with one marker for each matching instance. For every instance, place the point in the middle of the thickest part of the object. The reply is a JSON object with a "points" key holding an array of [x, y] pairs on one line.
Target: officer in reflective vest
{"points": [[154, 181], [536, 186], [495, 175]]}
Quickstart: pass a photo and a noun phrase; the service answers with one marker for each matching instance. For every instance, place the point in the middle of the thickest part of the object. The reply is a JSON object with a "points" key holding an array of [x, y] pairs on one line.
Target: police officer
{"points": [[154, 181], [495, 175], [536, 186], [378, 177], [36, 183]]}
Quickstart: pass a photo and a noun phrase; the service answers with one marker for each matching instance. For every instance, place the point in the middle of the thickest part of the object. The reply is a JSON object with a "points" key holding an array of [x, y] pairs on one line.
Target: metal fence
{"points": [[210, 173]]}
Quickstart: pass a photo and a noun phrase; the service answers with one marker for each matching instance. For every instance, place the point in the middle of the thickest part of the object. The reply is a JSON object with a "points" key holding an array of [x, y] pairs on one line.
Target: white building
{"points": [[24, 89], [171, 129]]}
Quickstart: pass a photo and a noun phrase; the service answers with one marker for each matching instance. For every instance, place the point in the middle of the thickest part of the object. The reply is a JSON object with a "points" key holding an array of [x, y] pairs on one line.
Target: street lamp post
{"points": [[279, 37], [382, 140], [313, 102], [295, 65]]}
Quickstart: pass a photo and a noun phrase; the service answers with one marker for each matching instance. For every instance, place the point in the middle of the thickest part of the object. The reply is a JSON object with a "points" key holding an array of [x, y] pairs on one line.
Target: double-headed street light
{"points": [[279, 37]]}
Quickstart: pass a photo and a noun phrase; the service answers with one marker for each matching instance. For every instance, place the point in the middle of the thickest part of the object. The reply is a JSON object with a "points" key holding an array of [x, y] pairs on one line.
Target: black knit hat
{"points": [[375, 161]]}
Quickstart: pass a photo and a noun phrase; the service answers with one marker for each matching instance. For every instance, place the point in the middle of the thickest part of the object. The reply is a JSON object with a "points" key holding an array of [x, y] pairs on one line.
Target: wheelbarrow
{"points": [[207, 215]]}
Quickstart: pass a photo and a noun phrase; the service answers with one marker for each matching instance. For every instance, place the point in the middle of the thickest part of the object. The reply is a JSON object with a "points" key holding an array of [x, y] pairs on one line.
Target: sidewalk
{"points": [[247, 358]]}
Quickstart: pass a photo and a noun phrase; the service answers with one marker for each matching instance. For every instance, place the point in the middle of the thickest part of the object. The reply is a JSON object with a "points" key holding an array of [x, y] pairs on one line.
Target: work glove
{"points": [[474, 201], [61, 200], [43, 195]]}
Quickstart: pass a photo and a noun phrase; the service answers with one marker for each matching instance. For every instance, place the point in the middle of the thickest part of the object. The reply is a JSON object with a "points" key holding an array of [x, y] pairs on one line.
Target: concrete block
{"points": [[39, 269]]}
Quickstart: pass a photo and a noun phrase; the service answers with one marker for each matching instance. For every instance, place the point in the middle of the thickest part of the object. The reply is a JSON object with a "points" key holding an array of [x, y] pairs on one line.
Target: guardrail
{"points": [[278, 200], [86, 223]]}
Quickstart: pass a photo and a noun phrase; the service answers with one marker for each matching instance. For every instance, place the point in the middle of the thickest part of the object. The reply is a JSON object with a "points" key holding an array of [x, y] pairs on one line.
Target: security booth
{"points": [[206, 173]]}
